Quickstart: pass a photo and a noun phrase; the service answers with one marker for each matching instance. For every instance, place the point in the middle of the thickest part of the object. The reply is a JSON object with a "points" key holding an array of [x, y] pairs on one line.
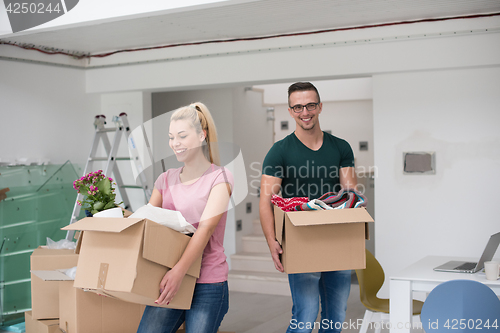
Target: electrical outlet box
{"points": [[419, 163], [239, 225]]}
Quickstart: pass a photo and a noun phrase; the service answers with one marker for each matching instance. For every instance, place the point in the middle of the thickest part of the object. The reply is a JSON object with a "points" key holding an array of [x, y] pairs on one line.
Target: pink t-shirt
{"points": [[191, 200]]}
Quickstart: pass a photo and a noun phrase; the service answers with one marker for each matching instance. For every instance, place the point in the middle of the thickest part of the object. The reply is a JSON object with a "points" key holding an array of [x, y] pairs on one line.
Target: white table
{"points": [[420, 276]]}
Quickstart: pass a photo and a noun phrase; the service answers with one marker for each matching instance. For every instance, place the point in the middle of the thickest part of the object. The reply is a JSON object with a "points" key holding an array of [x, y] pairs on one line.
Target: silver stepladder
{"points": [[121, 130]]}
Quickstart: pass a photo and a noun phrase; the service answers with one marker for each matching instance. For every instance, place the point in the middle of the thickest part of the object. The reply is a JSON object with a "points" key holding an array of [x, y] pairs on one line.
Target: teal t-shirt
{"points": [[305, 172]]}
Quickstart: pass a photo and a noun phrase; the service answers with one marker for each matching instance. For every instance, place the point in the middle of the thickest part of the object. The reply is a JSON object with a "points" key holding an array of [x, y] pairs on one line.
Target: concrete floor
{"points": [[257, 313]]}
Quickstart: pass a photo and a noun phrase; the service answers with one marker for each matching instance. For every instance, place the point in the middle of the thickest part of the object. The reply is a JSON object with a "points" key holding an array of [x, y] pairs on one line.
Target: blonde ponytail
{"points": [[202, 120]]}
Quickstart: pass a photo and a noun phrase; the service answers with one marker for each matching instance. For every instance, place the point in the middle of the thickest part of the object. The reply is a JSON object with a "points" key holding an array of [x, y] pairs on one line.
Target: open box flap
{"points": [[52, 275], [332, 216], [279, 218], [165, 246], [106, 224]]}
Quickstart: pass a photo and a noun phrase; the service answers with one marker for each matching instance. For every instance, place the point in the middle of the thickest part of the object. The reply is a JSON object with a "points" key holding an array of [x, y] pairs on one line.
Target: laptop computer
{"points": [[473, 267]]}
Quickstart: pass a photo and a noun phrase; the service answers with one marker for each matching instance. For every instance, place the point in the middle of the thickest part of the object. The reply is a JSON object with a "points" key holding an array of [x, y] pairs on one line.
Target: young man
{"points": [[308, 163]]}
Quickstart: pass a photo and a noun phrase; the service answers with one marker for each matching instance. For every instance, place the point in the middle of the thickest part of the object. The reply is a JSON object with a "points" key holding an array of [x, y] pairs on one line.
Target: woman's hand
{"points": [[169, 286]]}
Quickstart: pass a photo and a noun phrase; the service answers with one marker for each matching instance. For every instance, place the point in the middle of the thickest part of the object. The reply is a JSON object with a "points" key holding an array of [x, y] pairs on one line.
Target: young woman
{"points": [[200, 190]]}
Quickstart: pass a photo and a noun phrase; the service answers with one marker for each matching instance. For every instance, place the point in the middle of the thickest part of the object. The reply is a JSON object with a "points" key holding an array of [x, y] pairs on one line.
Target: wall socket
{"points": [[239, 225], [249, 207]]}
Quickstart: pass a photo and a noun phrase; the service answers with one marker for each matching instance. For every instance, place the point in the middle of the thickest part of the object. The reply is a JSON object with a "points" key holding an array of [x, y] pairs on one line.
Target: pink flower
{"points": [[110, 179]]}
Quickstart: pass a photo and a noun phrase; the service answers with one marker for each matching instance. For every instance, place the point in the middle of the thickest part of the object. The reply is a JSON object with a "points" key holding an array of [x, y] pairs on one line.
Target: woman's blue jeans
{"points": [[308, 289], [210, 304]]}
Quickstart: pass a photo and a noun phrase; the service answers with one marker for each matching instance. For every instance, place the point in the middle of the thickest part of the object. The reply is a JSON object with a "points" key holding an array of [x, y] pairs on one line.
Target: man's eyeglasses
{"points": [[310, 107]]}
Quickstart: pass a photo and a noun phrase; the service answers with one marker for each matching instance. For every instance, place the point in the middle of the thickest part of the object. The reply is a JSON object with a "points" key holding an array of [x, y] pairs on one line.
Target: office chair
{"points": [[461, 306], [370, 281]]}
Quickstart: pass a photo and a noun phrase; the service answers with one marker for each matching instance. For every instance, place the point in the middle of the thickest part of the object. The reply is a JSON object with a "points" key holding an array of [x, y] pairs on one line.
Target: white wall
{"points": [[456, 114], [358, 53], [45, 113], [47, 116], [254, 134], [330, 90]]}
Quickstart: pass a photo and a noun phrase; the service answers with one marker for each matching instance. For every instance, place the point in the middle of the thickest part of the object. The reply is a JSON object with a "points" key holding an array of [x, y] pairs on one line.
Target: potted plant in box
{"points": [[99, 194]]}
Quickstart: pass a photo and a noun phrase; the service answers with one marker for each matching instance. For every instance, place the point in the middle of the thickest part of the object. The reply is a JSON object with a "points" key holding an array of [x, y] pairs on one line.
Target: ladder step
{"points": [[104, 130], [92, 159], [131, 186]]}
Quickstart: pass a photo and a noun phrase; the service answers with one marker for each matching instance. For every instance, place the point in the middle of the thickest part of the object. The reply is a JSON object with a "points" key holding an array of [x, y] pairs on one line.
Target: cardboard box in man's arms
{"points": [[322, 240]]}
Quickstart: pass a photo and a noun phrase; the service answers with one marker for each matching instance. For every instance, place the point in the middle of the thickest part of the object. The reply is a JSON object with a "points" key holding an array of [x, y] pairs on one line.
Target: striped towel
{"points": [[343, 199]]}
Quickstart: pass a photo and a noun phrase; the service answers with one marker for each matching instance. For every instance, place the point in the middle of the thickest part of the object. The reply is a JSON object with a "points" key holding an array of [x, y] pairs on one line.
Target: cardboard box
{"points": [[81, 311], [319, 241], [85, 312], [45, 294], [40, 326], [126, 258]]}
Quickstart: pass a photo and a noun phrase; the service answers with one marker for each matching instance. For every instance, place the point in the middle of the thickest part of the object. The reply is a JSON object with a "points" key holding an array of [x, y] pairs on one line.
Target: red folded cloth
{"points": [[288, 204]]}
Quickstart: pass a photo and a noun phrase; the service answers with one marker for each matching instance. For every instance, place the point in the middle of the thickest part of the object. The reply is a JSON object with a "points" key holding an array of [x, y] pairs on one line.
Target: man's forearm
{"points": [[267, 221]]}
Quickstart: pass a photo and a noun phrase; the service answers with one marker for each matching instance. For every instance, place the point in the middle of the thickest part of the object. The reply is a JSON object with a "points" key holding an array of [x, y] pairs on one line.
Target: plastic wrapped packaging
{"points": [[71, 272], [62, 244]]}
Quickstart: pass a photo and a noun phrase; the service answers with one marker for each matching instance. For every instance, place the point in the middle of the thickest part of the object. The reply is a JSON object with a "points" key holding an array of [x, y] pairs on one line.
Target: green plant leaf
{"points": [[84, 190], [109, 205], [104, 186], [98, 206]]}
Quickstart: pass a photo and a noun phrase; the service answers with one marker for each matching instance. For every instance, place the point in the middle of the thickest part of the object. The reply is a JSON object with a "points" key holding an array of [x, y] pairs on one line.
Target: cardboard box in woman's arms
{"points": [[126, 258]]}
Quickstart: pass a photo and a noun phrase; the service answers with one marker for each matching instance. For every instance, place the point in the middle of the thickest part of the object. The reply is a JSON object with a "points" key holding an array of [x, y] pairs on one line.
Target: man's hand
{"points": [[169, 286], [276, 250], [268, 186]]}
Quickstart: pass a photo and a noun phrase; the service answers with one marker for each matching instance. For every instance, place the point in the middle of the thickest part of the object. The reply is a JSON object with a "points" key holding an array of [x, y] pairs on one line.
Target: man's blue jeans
{"points": [[332, 288], [210, 304]]}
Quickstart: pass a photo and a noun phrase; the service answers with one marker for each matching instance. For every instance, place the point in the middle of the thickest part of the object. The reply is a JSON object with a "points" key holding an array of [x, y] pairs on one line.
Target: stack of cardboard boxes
{"points": [[120, 263], [59, 307], [44, 314]]}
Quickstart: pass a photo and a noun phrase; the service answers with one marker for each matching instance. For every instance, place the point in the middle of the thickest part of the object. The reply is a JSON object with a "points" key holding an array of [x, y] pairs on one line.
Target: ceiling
{"points": [[237, 19]]}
